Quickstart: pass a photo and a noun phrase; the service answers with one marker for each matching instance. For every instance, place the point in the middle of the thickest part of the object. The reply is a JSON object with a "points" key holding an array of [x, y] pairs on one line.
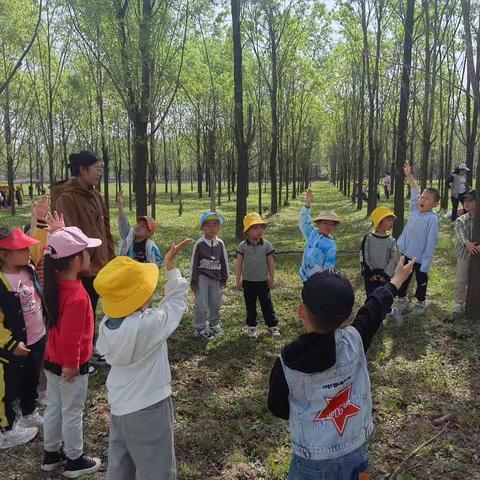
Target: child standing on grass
{"points": [[320, 382], [320, 251], [209, 275], [418, 239], [464, 248], [22, 329], [133, 339], [69, 349], [255, 272], [137, 242], [378, 253]]}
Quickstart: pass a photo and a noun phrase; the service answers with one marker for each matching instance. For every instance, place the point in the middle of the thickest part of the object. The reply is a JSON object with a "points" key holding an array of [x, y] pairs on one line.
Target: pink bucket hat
{"points": [[68, 241]]}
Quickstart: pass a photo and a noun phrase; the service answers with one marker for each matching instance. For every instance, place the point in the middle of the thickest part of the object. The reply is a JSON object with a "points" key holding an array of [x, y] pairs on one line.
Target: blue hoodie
{"points": [[320, 251]]}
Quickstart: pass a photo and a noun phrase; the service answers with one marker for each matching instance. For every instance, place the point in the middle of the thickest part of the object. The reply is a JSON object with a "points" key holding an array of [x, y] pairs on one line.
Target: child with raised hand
{"points": [[320, 382], [378, 253], [418, 239], [320, 250], [133, 339], [463, 250], [209, 275], [69, 349], [137, 242], [255, 271], [22, 328]]}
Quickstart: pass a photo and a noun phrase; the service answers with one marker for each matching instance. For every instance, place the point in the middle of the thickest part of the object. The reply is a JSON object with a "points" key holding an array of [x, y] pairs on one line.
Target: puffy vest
{"points": [[331, 411]]}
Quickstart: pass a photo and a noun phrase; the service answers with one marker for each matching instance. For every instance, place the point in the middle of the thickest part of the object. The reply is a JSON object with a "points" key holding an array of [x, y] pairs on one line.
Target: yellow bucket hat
{"points": [[125, 285], [379, 214], [329, 215], [252, 219]]}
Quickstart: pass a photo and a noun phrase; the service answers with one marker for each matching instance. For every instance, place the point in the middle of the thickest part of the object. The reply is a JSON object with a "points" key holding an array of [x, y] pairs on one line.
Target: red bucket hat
{"points": [[15, 239]]}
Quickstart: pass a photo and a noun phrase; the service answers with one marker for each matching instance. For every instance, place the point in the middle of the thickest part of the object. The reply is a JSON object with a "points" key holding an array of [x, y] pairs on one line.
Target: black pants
{"points": [[370, 286], [260, 290], [455, 202], [21, 380], [92, 293], [422, 283]]}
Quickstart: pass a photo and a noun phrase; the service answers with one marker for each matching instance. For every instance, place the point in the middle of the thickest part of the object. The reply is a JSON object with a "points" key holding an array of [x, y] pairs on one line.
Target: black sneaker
{"points": [[81, 466], [98, 359], [53, 460]]}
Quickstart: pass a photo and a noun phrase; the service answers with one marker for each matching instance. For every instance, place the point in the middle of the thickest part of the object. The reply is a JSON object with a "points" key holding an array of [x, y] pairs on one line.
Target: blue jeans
{"points": [[347, 467]]}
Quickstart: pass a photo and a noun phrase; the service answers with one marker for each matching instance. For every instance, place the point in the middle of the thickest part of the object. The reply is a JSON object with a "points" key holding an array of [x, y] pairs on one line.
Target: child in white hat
{"points": [[320, 251]]}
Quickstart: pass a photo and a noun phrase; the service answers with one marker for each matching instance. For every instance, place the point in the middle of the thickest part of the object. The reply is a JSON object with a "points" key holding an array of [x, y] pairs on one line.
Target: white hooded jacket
{"points": [[136, 349]]}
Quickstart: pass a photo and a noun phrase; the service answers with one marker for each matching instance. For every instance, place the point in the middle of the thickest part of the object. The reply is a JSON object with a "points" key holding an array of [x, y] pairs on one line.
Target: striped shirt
{"points": [[463, 228]]}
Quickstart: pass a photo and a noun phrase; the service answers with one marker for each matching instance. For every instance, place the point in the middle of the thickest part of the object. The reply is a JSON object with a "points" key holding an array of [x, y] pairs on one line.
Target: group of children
{"points": [[319, 383]]}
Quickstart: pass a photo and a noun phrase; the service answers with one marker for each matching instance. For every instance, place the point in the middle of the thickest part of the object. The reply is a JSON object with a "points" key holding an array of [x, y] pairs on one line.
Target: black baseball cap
{"points": [[470, 195], [328, 292]]}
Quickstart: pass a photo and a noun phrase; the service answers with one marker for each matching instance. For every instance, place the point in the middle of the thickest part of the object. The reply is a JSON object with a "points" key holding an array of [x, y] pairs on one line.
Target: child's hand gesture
{"points": [[402, 272], [173, 252], [21, 350], [54, 221], [407, 170], [69, 374], [308, 197], [472, 249], [40, 208]]}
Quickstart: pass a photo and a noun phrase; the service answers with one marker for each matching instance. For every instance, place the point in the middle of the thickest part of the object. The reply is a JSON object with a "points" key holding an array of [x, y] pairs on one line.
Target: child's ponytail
{"points": [[51, 267]]}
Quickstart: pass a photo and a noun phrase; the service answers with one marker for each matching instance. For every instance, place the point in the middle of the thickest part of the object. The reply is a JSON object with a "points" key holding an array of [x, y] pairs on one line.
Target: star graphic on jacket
{"points": [[339, 409]]}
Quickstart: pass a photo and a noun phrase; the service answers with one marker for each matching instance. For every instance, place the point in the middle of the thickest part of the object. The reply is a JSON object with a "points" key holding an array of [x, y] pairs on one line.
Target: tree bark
{"points": [[403, 119]]}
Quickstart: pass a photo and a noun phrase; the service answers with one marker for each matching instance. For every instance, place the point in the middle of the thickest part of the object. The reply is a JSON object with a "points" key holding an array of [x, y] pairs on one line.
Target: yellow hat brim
{"points": [[254, 222], [141, 295]]}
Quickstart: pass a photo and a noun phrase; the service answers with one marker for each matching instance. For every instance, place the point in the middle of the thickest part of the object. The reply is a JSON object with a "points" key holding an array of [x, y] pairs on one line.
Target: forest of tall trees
{"points": [[222, 93]]}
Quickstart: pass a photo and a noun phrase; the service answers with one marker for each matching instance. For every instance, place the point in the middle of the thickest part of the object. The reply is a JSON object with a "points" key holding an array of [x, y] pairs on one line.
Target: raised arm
{"points": [[407, 169], [377, 305], [305, 222], [123, 224]]}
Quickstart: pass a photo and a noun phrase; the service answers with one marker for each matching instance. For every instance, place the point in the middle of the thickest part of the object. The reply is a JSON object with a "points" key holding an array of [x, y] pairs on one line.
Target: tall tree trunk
{"points": [[8, 149], [241, 145], [473, 292], [274, 114], [403, 119]]}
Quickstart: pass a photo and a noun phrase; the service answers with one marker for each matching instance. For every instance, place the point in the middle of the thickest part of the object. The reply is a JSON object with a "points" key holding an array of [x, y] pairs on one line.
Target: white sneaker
{"points": [[17, 436], [274, 331], [252, 332], [204, 333], [418, 309], [32, 420]]}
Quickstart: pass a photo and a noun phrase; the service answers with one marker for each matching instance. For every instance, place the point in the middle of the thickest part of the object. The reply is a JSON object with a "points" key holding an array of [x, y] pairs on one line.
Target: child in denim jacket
{"points": [[320, 251]]}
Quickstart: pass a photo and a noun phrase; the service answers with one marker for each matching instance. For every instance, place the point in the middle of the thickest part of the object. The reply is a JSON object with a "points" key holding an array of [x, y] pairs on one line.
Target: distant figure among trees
{"points": [[387, 185], [457, 182]]}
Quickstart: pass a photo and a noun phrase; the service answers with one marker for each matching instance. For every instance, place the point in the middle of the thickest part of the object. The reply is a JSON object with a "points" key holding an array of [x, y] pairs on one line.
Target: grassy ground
{"points": [[421, 372]]}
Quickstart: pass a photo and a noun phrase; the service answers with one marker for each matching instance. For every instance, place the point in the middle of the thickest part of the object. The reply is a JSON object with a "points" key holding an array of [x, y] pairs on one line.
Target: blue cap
{"points": [[214, 215]]}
